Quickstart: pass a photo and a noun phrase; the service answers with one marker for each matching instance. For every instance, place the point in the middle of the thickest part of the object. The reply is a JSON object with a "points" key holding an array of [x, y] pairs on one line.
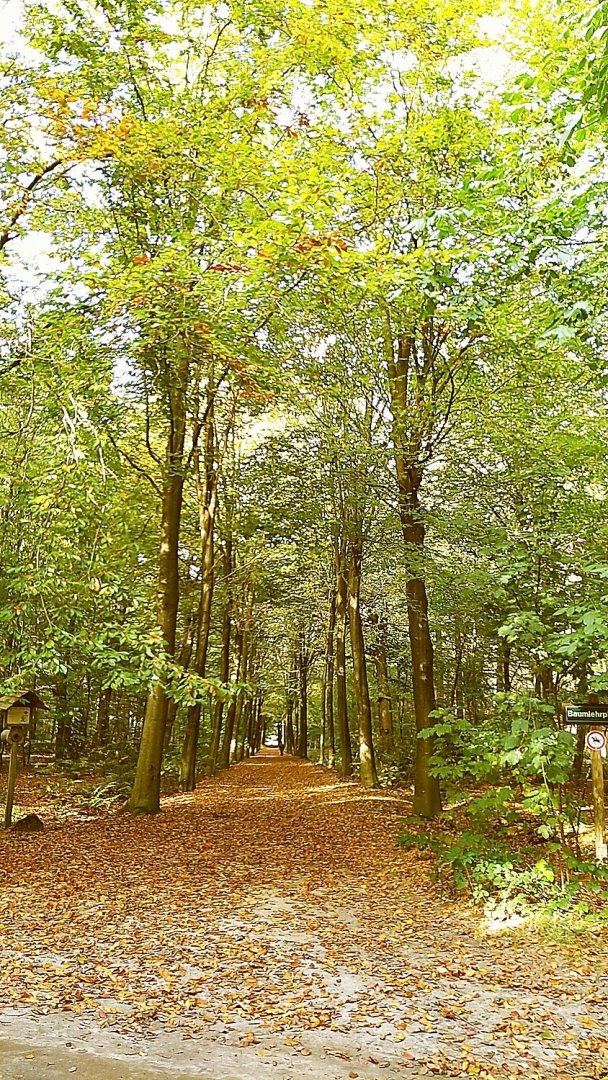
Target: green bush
{"points": [[508, 880], [519, 738], [509, 846]]}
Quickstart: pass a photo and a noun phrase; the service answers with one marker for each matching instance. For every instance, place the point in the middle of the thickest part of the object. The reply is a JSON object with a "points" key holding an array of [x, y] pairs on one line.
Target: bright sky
{"points": [[9, 17], [30, 255]]}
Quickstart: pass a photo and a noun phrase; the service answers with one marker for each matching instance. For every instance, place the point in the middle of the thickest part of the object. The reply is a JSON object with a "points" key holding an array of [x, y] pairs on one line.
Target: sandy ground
{"points": [[65, 1049]]}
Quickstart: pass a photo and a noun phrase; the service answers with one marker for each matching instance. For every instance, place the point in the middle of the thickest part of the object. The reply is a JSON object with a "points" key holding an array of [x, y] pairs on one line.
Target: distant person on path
{"points": [[280, 739]]}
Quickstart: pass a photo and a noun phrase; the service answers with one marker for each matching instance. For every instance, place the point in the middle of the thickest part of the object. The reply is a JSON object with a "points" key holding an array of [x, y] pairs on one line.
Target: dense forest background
{"points": [[303, 386]]}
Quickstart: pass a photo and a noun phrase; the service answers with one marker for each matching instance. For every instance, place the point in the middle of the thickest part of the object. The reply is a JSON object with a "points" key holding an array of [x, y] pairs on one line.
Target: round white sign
{"points": [[595, 740]]}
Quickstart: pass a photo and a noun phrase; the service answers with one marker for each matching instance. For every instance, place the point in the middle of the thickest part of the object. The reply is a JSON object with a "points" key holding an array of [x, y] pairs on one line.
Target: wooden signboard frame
{"points": [[594, 715]]}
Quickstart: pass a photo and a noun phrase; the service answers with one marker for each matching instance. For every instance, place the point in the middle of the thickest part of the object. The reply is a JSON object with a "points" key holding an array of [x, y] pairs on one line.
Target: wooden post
{"points": [[596, 742], [10, 789], [597, 780]]}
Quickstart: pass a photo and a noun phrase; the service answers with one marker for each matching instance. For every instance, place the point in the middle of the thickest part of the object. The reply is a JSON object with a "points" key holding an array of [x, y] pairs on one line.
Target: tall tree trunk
{"points": [[290, 741], [506, 667], [427, 796], [250, 728], [296, 722], [238, 739], [63, 731], [145, 796], [231, 712], [218, 708], [185, 656], [253, 728], [385, 705], [346, 754], [242, 729], [244, 704], [328, 755], [206, 488], [246, 672], [457, 691], [63, 727], [303, 662], [103, 716], [260, 739], [367, 758]]}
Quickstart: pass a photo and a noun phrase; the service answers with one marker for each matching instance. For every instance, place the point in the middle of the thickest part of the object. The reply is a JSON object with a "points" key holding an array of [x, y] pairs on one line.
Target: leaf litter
{"points": [[272, 910]]}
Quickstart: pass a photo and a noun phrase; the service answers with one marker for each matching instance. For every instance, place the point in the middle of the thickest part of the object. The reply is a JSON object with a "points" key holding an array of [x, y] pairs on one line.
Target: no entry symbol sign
{"points": [[595, 740]]}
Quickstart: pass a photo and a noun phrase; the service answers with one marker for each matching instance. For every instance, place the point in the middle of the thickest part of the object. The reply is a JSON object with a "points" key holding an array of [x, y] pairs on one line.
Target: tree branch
{"points": [[20, 209]]}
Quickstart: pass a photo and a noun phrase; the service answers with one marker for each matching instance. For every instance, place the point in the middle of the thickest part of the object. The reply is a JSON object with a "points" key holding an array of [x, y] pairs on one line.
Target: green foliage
{"points": [[490, 847], [520, 739], [505, 877], [108, 793]]}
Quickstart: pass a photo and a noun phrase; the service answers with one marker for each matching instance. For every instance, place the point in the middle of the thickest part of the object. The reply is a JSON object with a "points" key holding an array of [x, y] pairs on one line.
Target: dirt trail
{"points": [[269, 926]]}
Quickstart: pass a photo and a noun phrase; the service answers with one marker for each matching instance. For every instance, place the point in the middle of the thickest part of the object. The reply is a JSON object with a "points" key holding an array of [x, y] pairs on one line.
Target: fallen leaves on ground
{"points": [[275, 902]]}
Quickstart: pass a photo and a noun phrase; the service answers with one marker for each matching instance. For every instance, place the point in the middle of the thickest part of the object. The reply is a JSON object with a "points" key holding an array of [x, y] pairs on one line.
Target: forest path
{"points": [[269, 926]]}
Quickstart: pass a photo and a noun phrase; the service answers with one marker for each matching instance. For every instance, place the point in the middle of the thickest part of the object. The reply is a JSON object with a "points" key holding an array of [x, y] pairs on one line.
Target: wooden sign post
{"points": [[15, 740], [16, 714], [595, 742], [595, 716]]}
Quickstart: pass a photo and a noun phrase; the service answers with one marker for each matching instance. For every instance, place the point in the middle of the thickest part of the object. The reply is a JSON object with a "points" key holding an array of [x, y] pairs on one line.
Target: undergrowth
{"points": [[511, 839]]}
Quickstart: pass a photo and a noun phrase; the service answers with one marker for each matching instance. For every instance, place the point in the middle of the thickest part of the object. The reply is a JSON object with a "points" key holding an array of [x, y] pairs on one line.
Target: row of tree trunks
{"points": [[344, 604], [252, 728], [236, 643], [206, 489], [244, 722]]}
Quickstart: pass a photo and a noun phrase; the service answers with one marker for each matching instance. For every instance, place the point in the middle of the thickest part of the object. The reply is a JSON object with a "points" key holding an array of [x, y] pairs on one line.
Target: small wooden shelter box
{"points": [[17, 709]]}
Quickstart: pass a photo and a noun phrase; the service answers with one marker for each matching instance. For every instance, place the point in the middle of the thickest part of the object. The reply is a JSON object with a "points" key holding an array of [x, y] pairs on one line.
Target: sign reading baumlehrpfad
{"points": [[586, 714]]}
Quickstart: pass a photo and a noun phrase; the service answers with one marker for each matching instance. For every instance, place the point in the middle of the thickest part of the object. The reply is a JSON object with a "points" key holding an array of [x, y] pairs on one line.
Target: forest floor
{"points": [[269, 926]]}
